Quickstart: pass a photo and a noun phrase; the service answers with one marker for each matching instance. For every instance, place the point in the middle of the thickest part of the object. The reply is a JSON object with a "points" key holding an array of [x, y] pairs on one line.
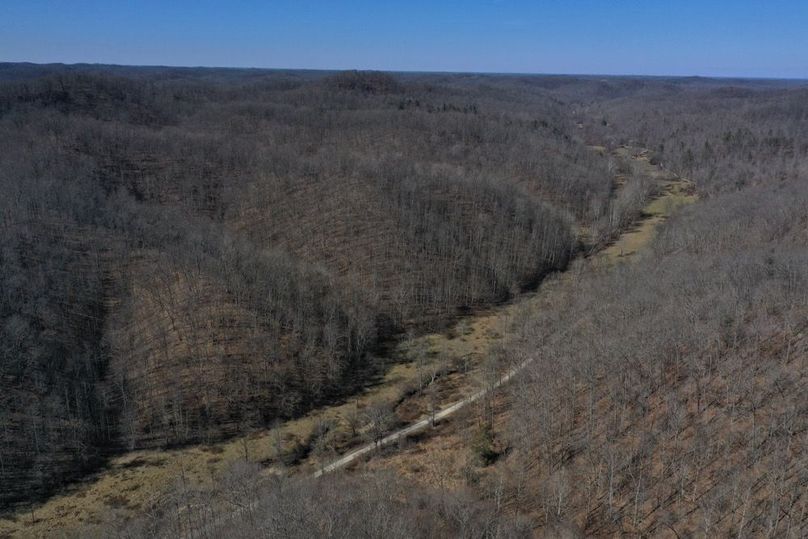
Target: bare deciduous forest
{"points": [[192, 255]]}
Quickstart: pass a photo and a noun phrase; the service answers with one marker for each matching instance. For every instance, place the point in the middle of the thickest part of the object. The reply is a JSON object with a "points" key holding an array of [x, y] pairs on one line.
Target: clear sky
{"points": [[760, 38]]}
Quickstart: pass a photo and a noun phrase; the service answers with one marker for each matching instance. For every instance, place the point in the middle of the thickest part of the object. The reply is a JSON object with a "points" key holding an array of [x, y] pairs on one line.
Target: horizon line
{"points": [[412, 71]]}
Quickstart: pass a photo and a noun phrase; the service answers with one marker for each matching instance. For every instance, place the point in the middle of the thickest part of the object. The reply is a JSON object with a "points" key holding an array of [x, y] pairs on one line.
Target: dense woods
{"points": [[188, 255], [726, 137]]}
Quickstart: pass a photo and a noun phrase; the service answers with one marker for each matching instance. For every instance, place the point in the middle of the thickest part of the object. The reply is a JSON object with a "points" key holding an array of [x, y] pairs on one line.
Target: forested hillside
{"points": [[668, 396], [729, 137], [186, 255], [190, 255]]}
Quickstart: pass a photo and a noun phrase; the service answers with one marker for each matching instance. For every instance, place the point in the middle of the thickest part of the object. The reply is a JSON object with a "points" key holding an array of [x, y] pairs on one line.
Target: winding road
{"points": [[423, 424]]}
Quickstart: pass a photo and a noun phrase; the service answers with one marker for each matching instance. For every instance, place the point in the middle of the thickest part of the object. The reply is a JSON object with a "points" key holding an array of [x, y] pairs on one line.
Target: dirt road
{"points": [[673, 193]]}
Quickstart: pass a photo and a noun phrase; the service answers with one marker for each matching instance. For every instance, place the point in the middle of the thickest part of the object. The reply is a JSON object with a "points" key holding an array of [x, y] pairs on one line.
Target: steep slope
{"points": [[687, 366]]}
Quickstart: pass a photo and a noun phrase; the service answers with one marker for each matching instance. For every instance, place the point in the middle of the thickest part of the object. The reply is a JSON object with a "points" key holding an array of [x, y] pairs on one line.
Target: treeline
{"points": [[188, 256]]}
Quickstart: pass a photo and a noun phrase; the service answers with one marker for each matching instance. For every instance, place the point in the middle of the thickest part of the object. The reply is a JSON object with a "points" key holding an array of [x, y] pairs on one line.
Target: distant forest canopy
{"points": [[186, 254]]}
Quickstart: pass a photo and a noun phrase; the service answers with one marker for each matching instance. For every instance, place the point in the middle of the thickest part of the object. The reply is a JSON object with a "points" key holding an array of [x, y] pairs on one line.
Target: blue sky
{"points": [[764, 38]]}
